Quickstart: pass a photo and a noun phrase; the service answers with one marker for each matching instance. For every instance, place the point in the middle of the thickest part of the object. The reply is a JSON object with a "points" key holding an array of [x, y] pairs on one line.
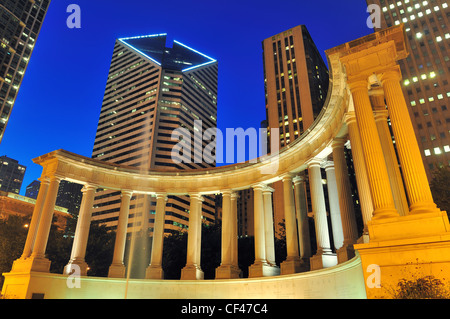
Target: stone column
{"points": [[324, 256], [117, 268], [333, 201], [37, 261], [395, 177], [362, 180], [82, 232], [292, 263], [227, 269], [154, 270], [192, 270], [268, 226], [301, 208], [260, 267], [348, 218], [373, 153], [234, 247], [416, 182], [37, 212]]}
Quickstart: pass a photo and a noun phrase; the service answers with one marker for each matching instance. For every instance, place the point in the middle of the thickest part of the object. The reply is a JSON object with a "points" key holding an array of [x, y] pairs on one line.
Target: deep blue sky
{"points": [[61, 95]]}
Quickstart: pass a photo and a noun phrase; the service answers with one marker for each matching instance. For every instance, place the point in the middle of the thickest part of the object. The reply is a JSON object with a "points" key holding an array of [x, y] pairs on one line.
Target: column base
{"points": [[39, 264], [154, 272], [83, 267], [291, 265], [323, 260], [345, 253], [192, 272], [117, 271], [262, 269], [227, 272]]}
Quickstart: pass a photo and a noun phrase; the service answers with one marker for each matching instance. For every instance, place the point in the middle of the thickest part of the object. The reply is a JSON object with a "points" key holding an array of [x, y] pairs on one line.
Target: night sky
{"points": [[60, 98]]}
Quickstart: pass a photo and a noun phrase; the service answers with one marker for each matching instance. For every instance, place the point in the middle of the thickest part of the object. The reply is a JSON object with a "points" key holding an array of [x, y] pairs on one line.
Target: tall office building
{"points": [[11, 175], [20, 23], [296, 84], [154, 86], [425, 72]]}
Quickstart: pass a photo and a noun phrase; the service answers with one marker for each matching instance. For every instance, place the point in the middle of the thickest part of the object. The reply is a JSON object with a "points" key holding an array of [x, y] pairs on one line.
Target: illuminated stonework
{"points": [[392, 240]]}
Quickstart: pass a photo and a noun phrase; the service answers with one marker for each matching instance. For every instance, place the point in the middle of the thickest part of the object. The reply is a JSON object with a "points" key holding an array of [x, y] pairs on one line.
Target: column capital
{"points": [[287, 176], [56, 177], [89, 186], [258, 186], [268, 189], [339, 143], [161, 195], [350, 118], [197, 196], [234, 195], [327, 165], [227, 192], [126, 192], [44, 180], [315, 162], [393, 73], [298, 179], [358, 84]]}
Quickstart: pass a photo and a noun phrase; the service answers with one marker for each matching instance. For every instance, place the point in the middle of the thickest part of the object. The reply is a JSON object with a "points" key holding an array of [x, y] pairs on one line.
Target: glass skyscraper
{"points": [[20, 23], [154, 86]]}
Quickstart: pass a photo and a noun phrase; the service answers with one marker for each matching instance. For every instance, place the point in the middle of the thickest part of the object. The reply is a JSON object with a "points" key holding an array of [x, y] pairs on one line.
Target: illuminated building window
{"points": [[427, 152], [437, 150], [446, 148]]}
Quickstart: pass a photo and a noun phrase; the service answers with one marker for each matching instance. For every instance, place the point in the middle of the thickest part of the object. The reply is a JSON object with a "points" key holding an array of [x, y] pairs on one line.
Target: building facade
{"points": [[20, 24], [154, 87], [296, 84], [11, 175], [425, 72]]}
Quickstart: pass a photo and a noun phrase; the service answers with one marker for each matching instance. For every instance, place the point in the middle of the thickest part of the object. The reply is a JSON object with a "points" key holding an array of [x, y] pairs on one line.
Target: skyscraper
{"points": [[425, 72], [296, 85], [20, 23], [154, 86], [11, 175]]}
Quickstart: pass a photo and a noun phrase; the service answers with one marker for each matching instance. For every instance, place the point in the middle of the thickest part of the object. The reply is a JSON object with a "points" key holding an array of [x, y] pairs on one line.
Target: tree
{"points": [[440, 188], [427, 287]]}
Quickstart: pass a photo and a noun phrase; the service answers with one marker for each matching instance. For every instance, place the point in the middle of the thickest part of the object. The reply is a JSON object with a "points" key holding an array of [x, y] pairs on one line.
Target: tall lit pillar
{"points": [[349, 228], [37, 258], [227, 269], [260, 267], [117, 268], [234, 251], [292, 263], [37, 212], [154, 270], [82, 232], [192, 270], [323, 257], [395, 177], [333, 201], [301, 208], [268, 225], [373, 153], [416, 182], [362, 180]]}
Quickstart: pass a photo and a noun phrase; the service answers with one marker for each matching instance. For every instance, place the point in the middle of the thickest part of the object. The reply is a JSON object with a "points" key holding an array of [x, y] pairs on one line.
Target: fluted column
{"points": [[395, 177], [154, 270], [373, 153], [45, 223], [82, 231], [260, 267], [324, 257], [117, 268], [416, 182], [227, 269], [192, 270], [333, 201], [37, 212], [268, 225], [362, 180], [292, 263], [301, 209]]}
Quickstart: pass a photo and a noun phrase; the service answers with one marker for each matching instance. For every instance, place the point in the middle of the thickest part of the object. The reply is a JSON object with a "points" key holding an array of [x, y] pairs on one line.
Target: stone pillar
{"points": [[154, 270], [268, 226], [348, 218], [37, 212], [292, 263], [301, 208], [117, 268], [227, 269], [324, 256], [373, 153], [234, 247], [362, 180], [82, 232], [260, 267], [416, 182], [192, 270], [395, 177], [333, 201]]}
